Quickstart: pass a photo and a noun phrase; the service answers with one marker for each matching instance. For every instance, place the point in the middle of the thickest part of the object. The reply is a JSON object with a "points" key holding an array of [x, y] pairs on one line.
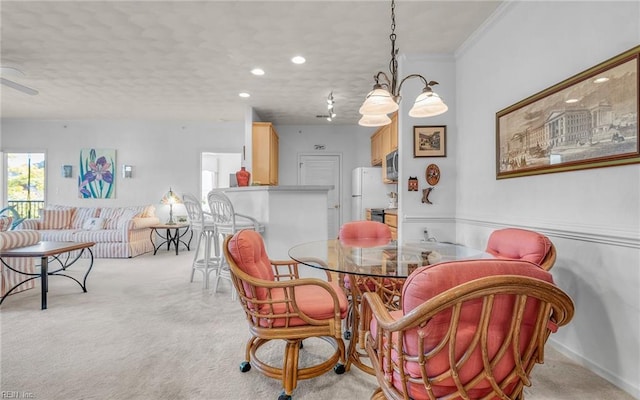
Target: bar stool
{"points": [[205, 231], [227, 222]]}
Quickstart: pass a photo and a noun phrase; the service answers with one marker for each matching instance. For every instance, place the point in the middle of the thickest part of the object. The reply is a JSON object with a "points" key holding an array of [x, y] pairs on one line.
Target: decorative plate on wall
{"points": [[432, 174]]}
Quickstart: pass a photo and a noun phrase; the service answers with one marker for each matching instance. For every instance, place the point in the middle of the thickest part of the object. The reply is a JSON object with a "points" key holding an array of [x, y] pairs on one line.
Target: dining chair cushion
{"points": [[364, 230], [429, 281], [518, 244], [247, 248], [363, 234], [312, 301]]}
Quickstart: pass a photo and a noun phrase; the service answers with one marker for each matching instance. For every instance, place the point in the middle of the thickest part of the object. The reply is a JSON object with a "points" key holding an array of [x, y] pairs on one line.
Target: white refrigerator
{"points": [[367, 191]]}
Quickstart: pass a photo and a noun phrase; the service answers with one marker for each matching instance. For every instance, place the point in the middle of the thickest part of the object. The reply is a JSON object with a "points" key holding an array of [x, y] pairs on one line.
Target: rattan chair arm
{"points": [[505, 284], [374, 304]]}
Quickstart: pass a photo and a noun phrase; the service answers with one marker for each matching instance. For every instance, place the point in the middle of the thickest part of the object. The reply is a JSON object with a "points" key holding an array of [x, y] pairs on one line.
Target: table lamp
{"points": [[170, 198]]}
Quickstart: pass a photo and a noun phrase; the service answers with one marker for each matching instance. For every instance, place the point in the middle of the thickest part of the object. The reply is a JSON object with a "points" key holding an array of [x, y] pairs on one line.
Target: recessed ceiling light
{"points": [[601, 79], [298, 60], [569, 101], [244, 94], [257, 71]]}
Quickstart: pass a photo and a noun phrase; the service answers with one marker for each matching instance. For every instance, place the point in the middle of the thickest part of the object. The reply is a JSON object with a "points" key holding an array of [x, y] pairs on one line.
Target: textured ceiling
{"points": [[187, 60]]}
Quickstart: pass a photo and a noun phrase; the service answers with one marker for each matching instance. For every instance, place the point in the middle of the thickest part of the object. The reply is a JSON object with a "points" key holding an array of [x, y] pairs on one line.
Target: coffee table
{"points": [[49, 251]]}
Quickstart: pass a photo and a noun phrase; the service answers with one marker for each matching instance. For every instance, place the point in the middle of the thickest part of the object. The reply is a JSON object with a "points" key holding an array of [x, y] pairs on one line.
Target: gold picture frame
{"points": [[430, 141], [587, 121]]}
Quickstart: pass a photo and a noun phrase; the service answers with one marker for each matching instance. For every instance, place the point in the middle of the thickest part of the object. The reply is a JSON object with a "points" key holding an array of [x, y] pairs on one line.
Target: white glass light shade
{"points": [[378, 101], [428, 104], [374, 120]]}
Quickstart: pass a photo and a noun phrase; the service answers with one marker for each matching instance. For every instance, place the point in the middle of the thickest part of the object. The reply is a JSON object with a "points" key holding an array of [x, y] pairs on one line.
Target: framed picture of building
{"points": [[430, 141], [587, 121]]}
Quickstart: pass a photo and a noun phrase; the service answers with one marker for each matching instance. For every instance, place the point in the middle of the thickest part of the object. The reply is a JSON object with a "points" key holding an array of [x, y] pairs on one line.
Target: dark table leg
{"points": [[44, 280], [176, 238]]}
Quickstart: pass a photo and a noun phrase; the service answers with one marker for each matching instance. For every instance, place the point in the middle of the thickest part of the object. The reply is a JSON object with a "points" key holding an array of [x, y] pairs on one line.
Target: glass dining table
{"points": [[373, 265]]}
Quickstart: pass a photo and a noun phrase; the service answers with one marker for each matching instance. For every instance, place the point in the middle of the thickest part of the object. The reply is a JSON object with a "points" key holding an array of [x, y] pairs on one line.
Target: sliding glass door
{"points": [[25, 177]]}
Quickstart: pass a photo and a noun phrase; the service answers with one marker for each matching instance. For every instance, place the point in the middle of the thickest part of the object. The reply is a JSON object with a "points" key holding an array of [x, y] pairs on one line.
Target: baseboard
{"points": [[596, 369]]}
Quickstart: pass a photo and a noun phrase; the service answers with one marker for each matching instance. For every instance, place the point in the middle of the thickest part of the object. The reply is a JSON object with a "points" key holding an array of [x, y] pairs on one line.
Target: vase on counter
{"points": [[243, 177]]}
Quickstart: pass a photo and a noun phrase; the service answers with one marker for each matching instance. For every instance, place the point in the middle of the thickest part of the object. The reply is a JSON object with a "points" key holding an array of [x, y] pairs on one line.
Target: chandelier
{"points": [[385, 96]]}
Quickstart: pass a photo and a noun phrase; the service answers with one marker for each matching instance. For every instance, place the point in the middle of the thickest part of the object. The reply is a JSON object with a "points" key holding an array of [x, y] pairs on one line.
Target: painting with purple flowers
{"points": [[96, 179]]}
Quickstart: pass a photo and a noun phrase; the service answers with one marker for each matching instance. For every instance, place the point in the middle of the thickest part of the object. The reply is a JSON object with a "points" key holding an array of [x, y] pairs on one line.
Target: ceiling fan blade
{"points": [[19, 87]]}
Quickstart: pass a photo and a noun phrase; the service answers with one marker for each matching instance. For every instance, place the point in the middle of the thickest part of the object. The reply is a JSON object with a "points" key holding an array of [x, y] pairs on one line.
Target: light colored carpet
{"points": [[143, 331]]}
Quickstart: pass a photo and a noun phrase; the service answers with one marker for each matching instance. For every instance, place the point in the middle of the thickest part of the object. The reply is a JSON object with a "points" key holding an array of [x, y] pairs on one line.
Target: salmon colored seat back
{"points": [[247, 249], [372, 233], [363, 234], [519, 244]]}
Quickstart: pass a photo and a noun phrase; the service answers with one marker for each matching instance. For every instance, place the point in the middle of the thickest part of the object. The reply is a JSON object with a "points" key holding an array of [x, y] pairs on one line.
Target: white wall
{"points": [[438, 217], [591, 215], [163, 154], [353, 142]]}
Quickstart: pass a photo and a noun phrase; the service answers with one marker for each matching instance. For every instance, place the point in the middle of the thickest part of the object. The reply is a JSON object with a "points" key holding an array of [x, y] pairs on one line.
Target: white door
{"points": [[324, 169]]}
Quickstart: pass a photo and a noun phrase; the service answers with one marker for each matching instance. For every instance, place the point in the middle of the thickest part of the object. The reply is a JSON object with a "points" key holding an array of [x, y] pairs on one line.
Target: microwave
{"points": [[392, 165]]}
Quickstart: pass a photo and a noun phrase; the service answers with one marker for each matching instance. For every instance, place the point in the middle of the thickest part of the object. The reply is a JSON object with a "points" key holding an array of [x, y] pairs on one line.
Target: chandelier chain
{"points": [[393, 64], [385, 96]]}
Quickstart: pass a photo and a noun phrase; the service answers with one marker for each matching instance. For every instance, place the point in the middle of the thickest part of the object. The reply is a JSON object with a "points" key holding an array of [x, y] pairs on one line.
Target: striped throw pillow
{"points": [[5, 223], [55, 219], [81, 215], [110, 216]]}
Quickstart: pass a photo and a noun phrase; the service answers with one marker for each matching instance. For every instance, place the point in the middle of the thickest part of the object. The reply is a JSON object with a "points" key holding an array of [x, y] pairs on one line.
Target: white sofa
{"points": [[119, 232]]}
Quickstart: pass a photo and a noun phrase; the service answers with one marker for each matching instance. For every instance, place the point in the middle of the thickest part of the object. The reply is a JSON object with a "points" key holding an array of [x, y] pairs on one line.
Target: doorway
{"points": [[324, 169], [217, 170]]}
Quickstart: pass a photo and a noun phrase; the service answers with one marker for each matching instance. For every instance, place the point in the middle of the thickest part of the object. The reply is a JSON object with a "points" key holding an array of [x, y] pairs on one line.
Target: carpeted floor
{"points": [[143, 331]]}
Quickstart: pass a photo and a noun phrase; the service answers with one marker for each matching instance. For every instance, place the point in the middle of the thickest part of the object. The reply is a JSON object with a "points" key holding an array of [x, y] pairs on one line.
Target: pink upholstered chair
{"points": [[365, 234], [357, 230], [281, 306], [522, 244], [470, 329]]}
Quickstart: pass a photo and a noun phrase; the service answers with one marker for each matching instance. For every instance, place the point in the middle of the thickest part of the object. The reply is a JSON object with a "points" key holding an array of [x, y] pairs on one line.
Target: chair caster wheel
{"points": [[347, 335], [245, 366], [301, 345], [339, 369], [284, 396]]}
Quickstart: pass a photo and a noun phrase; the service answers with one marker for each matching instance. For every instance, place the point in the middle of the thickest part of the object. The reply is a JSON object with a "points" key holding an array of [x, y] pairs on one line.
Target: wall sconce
{"points": [[67, 171], [127, 171]]}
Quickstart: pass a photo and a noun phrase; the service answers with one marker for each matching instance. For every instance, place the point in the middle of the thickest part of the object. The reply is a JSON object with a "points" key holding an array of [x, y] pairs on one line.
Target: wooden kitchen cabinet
{"points": [[392, 221], [393, 132], [384, 141], [380, 143], [265, 152], [376, 149]]}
